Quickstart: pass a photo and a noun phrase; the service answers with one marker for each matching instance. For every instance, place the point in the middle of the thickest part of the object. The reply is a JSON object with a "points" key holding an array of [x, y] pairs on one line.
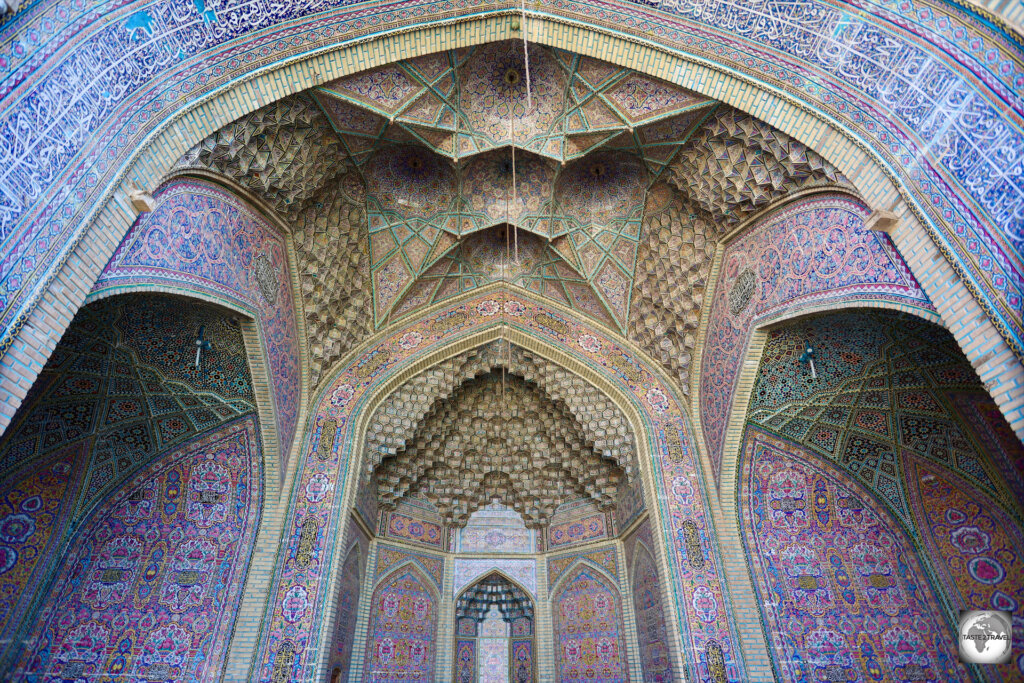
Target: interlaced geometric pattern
{"points": [[888, 387], [124, 380], [403, 187]]}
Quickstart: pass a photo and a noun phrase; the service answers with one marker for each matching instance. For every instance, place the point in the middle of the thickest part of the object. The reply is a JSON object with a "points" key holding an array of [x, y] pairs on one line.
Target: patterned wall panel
{"points": [[203, 238], [495, 529], [648, 611], [630, 502], [412, 529], [401, 642], [522, 660], [843, 593], [580, 530], [588, 629], [973, 543], [523, 571], [353, 574], [604, 557], [465, 661], [151, 584], [35, 509], [389, 556], [809, 252]]}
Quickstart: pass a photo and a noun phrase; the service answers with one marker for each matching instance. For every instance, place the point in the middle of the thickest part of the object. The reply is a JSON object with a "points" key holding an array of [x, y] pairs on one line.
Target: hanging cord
{"points": [[515, 226], [526, 60]]}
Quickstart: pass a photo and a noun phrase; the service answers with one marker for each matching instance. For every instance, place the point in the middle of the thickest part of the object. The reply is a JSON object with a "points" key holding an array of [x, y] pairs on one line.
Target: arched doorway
{"points": [[884, 488], [132, 488], [494, 632]]}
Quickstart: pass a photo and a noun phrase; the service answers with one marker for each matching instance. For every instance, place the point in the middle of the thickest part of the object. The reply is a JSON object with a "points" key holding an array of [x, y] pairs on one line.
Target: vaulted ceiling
{"points": [[499, 437], [398, 186], [498, 422]]}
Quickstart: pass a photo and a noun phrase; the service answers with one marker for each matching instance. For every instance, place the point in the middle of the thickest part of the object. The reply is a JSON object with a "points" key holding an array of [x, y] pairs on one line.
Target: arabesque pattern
{"points": [[844, 596], [153, 581], [588, 629], [402, 643]]}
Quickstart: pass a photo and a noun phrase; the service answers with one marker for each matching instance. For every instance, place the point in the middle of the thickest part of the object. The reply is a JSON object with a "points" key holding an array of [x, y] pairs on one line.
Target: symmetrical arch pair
{"points": [[831, 129]]}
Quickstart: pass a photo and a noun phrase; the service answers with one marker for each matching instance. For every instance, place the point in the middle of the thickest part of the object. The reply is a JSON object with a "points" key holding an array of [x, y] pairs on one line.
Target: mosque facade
{"points": [[477, 341]]}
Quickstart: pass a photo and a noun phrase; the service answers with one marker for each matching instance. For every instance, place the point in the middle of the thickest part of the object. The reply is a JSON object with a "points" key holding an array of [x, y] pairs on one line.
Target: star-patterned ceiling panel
{"points": [[454, 146], [504, 254], [462, 141], [468, 101]]}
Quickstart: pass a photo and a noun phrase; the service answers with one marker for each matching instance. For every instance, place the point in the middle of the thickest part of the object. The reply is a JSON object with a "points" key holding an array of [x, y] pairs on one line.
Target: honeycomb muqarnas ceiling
{"points": [[498, 423], [398, 184], [498, 437]]}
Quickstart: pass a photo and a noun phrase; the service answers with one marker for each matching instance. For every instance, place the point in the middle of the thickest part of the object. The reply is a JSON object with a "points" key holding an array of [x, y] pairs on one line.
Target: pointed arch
{"points": [[471, 644], [402, 635], [244, 261], [587, 620], [353, 573], [571, 569], [497, 571], [362, 381]]}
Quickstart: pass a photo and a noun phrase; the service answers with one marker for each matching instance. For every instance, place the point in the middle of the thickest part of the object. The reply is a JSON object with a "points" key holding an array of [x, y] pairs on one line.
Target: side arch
{"points": [[886, 414], [677, 55], [402, 634], [211, 243], [570, 570], [732, 446]]}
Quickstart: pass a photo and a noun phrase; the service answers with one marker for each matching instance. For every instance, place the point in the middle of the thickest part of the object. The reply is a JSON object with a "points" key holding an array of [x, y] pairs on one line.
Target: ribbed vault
{"points": [[498, 437], [398, 185]]}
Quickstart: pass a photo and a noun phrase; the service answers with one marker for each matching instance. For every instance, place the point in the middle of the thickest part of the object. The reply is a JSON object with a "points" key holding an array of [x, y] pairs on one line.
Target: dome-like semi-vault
{"points": [[357, 168], [440, 367]]}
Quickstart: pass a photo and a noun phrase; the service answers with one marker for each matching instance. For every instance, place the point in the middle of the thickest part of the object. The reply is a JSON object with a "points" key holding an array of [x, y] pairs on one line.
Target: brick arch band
{"points": [[673, 478], [206, 88]]}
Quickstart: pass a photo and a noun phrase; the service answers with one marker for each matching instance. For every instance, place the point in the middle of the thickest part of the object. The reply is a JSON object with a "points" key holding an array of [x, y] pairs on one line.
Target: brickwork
{"points": [[954, 207]]}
